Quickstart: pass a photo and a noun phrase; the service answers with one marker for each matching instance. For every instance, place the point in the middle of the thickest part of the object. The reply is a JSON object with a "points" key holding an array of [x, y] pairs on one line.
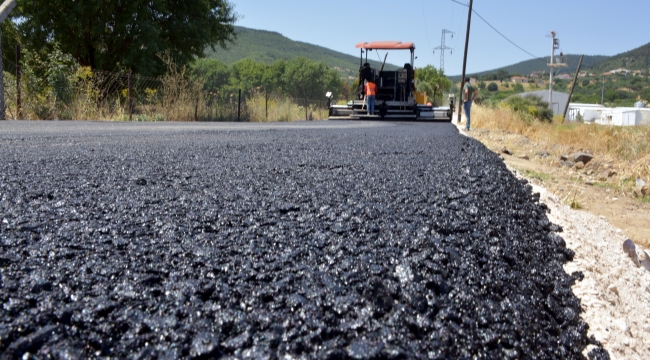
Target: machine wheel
{"points": [[383, 109]]}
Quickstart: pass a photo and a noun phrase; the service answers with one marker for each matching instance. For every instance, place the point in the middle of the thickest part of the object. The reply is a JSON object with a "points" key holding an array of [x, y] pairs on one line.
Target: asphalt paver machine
{"points": [[396, 97]]}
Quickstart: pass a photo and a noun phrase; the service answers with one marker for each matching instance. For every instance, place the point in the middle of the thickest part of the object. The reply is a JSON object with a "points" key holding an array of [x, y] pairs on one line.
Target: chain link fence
{"points": [[85, 94]]}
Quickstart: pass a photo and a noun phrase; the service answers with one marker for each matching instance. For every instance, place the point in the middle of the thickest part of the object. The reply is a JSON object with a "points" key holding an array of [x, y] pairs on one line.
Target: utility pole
{"points": [[573, 85], [469, 21], [5, 9], [553, 65], [443, 47]]}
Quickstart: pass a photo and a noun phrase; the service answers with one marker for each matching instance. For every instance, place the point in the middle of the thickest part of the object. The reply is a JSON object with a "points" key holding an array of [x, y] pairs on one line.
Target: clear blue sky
{"points": [[590, 27]]}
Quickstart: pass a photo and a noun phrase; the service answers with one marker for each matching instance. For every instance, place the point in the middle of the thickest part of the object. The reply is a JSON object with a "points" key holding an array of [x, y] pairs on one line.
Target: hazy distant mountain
{"points": [[527, 67], [268, 47], [637, 59]]}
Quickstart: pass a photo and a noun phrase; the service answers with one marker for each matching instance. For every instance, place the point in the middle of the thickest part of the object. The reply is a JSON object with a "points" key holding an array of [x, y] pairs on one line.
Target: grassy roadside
{"points": [[605, 186], [624, 149]]}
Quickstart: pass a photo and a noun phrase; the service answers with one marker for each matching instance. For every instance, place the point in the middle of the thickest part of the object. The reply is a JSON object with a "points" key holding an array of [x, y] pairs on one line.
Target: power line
{"points": [[498, 32], [426, 28]]}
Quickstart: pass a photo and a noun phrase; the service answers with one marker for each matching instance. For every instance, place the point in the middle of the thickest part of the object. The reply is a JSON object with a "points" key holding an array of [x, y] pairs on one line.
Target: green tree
{"points": [[518, 88], [481, 85], [645, 94], [215, 73], [433, 82], [307, 79], [118, 35], [492, 87], [247, 75], [273, 80], [502, 75]]}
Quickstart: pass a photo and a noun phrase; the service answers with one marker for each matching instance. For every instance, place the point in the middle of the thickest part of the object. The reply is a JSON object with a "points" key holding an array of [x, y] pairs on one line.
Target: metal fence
{"points": [[99, 95]]}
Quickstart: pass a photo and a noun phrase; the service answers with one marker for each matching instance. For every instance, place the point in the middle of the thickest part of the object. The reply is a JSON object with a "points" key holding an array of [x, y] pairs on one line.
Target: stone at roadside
{"points": [[580, 165], [506, 151], [605, 175], [640, 182], [564, 158], [589, 182], [543, 154], [645, 190], [524, 157], [590, 172], [630, 249], [568, 164], [637, 192], [582, 157]]}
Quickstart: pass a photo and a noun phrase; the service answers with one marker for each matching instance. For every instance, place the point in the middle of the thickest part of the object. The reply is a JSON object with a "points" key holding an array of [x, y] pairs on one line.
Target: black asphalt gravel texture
{"points": [[325, 241]]}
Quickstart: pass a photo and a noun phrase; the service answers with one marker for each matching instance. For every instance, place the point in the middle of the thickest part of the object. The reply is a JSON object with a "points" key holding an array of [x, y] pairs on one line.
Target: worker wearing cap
{"points": [[469, 94], [371, 91]]}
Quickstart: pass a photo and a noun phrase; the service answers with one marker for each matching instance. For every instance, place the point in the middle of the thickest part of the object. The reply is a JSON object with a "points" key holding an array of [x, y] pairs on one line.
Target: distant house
{"points": [[519, 79], [620, 71], [582, 75], [564, 76], [472, 80]]}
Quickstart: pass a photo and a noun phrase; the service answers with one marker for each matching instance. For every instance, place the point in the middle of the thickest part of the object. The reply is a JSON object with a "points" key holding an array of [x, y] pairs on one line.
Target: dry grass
{"points": [[627, 147], [85, 94], [281, 109]]}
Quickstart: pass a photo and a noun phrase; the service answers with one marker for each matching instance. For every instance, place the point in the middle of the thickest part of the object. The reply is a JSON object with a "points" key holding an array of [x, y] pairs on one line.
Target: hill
{"points": [[269, 47], [637, 59], [540, 64]]}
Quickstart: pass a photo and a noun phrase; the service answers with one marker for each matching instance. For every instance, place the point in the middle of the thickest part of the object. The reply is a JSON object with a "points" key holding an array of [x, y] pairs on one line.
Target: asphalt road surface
{"points": [[323, 240]]}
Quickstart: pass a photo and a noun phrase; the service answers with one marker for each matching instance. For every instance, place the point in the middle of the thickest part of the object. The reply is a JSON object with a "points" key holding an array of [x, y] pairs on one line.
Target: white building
{"points": [[598, 114]]}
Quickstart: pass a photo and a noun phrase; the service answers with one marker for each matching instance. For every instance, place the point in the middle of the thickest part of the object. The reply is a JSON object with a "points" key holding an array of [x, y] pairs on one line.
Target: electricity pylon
{"points": [[442, 48]]}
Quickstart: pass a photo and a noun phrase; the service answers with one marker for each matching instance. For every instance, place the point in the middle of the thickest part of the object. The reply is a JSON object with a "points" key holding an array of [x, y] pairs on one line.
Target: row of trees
{"points": [[60, 36], [298, 78]]}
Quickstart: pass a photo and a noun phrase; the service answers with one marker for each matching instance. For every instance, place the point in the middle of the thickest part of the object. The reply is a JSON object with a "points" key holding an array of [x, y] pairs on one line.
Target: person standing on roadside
{"points": [[371, 91], [469, 94]]}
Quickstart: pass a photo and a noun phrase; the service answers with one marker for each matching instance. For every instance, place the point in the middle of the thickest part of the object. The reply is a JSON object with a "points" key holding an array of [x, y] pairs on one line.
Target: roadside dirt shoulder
{"points": [[594, 188], [615, 293]]}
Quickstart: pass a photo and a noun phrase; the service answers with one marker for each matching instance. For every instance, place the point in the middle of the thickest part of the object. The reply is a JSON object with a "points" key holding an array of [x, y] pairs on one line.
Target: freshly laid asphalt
{"points": [[323, 240]]}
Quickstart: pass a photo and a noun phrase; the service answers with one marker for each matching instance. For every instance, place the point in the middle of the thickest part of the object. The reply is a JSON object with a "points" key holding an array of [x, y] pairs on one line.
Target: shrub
{"points": [[532, 106], [492, 87]]}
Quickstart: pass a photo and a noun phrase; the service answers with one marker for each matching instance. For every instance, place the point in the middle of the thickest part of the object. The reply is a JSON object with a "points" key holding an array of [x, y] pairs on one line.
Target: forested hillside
{"points": [[268, 47], [527, 67], [637, 59]]}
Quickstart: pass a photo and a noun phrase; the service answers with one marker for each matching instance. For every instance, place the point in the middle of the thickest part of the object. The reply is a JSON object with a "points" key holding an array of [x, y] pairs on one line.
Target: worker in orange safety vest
{"points": [[371, 91]]}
